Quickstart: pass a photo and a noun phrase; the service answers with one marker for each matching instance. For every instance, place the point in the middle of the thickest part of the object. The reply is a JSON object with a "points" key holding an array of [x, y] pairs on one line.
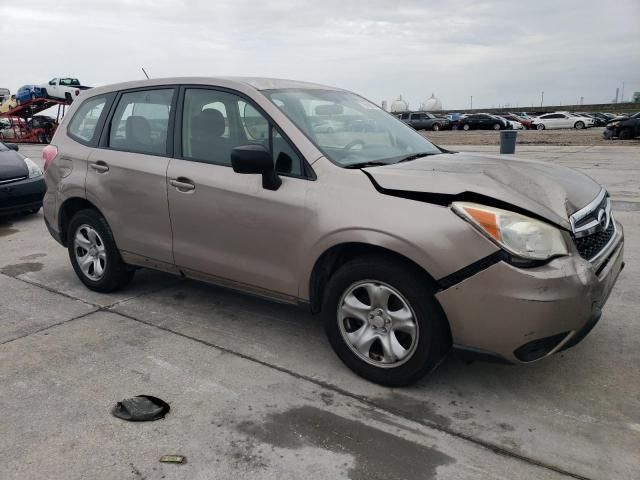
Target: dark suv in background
{"points": [[425, 121]]}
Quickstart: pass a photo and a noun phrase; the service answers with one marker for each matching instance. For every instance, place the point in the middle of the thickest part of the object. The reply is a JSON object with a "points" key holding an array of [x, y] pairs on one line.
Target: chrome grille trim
{"points": [[600, 216]]}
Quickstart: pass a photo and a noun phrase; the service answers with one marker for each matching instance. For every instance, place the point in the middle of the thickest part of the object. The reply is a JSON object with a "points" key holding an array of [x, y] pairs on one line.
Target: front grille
{"points": [[593, 215], [592, 245]]}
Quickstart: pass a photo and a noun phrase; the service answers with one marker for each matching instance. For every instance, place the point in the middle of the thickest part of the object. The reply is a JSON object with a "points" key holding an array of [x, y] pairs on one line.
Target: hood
{"points": [[542, 189], [12, 166]]}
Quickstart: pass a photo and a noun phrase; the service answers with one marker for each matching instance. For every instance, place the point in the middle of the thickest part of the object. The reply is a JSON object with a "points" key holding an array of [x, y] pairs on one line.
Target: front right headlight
{"points": [[519, 235]]}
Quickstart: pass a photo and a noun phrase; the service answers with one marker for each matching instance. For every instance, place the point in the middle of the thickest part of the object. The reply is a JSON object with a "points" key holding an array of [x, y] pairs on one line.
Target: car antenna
{"points": [[145, 73]]}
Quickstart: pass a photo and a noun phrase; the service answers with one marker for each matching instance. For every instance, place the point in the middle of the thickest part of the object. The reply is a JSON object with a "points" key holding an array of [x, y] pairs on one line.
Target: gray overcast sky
{"points": [[501, 52]]}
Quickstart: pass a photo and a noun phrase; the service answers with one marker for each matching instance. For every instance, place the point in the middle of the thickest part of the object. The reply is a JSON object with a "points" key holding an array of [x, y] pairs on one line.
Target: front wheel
{"points": [[540, 126], [383, 321], [466, 126], [496, 126], [435, 127], [94, 254], [625, 134], [579, 125]]}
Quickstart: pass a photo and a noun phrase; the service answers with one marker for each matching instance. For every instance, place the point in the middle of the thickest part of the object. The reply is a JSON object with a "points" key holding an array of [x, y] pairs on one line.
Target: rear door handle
{"points": [[182, 184], [100, 166]]}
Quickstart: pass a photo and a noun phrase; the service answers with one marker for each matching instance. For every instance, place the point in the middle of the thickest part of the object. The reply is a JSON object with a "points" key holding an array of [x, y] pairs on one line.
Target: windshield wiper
{"points": [[414, 156], [368, 163]]}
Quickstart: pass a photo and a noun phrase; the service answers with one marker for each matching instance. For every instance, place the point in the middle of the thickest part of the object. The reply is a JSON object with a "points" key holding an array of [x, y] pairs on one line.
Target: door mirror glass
{"points": [[256, 159], [256, 125]]}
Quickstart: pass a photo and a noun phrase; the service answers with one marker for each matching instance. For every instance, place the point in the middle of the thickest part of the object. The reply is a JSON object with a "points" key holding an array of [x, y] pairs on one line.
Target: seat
{"points": [[138, 136], [207, 142]]}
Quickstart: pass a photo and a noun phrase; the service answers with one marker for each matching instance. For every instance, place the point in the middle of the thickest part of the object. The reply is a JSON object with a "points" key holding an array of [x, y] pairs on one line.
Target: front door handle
{"points": [[100, 166], [182, 184]]}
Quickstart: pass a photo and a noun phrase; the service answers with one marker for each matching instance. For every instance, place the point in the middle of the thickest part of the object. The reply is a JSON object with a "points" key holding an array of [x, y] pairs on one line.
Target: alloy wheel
{"points": [[90, 252], [378, 324]]}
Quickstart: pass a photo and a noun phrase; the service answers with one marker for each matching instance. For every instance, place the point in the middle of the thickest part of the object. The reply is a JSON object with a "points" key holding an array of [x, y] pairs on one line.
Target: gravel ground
{"points": [[590, 136]]}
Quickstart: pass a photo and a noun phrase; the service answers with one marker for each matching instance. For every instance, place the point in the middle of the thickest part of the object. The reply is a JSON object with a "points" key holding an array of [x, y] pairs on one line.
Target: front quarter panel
{"points": [[347, 208]]}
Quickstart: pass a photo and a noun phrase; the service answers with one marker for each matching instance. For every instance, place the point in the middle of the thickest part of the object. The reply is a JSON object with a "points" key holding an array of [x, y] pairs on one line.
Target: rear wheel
{"points": [[496, 126], [68, 97], [466, 126], [579, 125], [540, 126], [94, 254], [383, 321], [435, 127]]}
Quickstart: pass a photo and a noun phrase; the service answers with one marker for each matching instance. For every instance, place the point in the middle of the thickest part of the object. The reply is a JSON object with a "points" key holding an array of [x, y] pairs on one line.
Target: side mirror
{"points": [[256, 159], [12, 146]]}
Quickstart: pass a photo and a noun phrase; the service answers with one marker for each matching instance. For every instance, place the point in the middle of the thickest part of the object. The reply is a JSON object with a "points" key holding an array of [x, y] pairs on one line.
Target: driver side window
{"points": [[214, 122]]}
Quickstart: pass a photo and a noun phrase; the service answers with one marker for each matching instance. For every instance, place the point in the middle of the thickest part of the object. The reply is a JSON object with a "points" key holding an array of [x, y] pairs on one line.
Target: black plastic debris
{"points": [[142, 408]]}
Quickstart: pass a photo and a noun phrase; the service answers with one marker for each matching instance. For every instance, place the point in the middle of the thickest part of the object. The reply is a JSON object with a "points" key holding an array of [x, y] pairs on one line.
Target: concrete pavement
{"points": [[256, 392]]}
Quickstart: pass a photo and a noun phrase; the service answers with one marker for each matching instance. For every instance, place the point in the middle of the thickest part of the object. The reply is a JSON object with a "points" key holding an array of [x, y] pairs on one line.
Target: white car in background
{"points": [[561, 120], [515, 125]]}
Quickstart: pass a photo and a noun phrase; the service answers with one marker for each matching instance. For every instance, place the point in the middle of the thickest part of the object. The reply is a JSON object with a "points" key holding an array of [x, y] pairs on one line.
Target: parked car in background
{"points": [[453, 119], [623, 128], [425, 121], [483, 121], [4, 94], [63, 88], [588, 120], [604, 117], [22, 185], [13, 128], [327, 126], [560, 120], [27, 93], [597, 121], [525, 122], [8, 104]]}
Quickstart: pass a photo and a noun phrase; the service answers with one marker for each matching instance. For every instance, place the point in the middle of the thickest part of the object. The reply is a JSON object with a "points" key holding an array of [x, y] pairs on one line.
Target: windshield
{"points": [[348, 129]]}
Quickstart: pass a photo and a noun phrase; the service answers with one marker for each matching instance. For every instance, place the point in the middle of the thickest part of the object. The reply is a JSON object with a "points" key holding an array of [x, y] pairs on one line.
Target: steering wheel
{"points": [[352, 144]]}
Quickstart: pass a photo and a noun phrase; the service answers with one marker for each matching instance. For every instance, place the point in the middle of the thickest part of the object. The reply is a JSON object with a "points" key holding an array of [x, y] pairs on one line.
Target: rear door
{"points": [[126, 178], [226, 226]]}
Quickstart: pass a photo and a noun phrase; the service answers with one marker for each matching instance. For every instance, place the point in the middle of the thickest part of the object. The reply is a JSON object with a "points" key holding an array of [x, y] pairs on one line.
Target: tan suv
{"points": [[312, 195]]}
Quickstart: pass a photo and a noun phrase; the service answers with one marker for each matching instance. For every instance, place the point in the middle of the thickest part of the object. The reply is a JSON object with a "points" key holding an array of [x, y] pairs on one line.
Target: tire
{"points": [[68, 98], [33, 96], [625, 134], [42, 139], [466, 127], [45, 95], [412, 289], [435, 127], [115, 273], [579, 125], [540, 126], [496, 126]]}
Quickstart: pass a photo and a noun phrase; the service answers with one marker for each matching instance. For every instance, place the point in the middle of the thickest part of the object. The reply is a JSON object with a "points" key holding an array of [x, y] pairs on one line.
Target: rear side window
{"points": [[83, 124], [140, 122]]}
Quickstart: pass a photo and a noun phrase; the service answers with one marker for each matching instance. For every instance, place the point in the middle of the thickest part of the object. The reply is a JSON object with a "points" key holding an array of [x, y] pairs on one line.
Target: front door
{"points": [[126, 178], [226, 227]]}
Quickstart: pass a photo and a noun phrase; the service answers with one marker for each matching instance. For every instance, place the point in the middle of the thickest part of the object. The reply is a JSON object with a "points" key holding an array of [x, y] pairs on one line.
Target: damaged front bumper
{"points": [[525, 314]]}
